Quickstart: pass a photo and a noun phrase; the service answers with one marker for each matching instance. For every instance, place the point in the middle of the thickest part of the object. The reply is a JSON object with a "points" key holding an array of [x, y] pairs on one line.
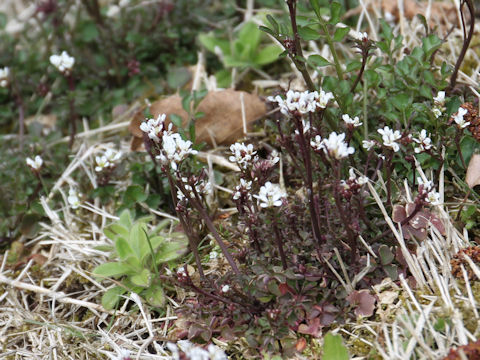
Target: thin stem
{"points": [[466, 41], [330, 44], [278, 240], [297, 51], [73, 115], [191, 241], [196, 203], [459, 149]]}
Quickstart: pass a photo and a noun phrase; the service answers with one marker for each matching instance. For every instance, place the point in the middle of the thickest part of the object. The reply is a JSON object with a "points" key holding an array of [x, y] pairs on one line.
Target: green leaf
{"points": [[138, 240], [211, 42], [155, 296], [340, 33], [267, 30], [273, 22], [88, 31], [317, 60], [316, 7], [401, 101], [249, 36], [123, 248], [126, 219], [307, 33], [267, 55], [233, 61], [176, 120], [430, 44], [110, 269], [3, 20], [111, 297], [335, 9], [386, 255], [170, 251], [143, 279], [134, 194], [178, 77], [333, 348]]}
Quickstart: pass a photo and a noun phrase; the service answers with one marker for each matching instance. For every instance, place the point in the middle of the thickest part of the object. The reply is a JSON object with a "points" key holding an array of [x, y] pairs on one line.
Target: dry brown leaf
{"points": [[473, 171], [441, 11], [223, 120]]}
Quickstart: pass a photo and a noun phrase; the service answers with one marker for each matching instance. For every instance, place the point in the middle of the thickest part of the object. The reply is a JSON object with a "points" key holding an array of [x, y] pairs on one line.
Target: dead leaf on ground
{"points": [[473, 171], [223, 122]]}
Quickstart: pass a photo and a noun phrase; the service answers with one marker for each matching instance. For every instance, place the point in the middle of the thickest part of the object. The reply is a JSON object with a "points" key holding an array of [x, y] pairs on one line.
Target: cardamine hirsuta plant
{"points": [[305, 240]]}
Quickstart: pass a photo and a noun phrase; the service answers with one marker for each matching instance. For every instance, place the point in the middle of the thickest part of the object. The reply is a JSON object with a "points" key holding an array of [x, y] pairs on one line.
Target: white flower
{"points": [[303, 102], [225, 288], [334, 146], [63, 62], [202, 187], [213, 255], [242, 154], [424, 141], [368, 144], [458, 118], [440, 98], [154, 127], [35, 164], [243, 187], [358, 35], [102, 163], [113, 155], [360, 180], [355, 122], [73, 199], [4, 73], [427, 184], [216, 353], [433, 198], [390, 137], [113, 11], [324, 98], [437, 112], [175, 149], [270, 195]]}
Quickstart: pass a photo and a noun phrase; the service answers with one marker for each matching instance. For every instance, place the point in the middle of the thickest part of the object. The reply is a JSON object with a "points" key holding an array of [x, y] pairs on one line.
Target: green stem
{"points": [[338, 67]]}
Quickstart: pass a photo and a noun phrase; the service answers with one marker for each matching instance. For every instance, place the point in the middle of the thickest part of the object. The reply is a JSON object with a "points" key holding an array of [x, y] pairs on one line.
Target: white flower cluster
{"points": [[458, 118], [36, 163], [368, 144], [225, 289], [63, 62], [270, 195], [354, 180], [335, 146], [303, 102], [4, 73], [194, 352], [243, 154], [73, 198], [108, 159], [174, 149], [355, 122], [390, 138], [424, 142], [358, 35], [202, 188], [433, 197], [439, 106], [242, 188], [154, 128], [114, 10]]}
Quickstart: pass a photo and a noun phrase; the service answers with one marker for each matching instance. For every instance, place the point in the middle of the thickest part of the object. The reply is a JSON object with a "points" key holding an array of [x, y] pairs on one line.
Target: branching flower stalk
{"points": [[196, 202], [279, 242], [192, 239], [305, 151]]}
